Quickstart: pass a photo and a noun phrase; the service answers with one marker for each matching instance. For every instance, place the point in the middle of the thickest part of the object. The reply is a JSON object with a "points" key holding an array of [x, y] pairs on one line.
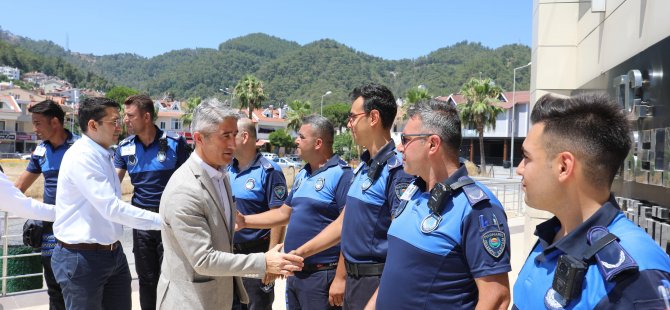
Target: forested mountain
{"points": [[291, 71]]}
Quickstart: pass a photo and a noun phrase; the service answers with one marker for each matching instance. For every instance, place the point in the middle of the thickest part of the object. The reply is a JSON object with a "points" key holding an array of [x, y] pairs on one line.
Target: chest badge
{"points": [[250, 184], [161, 156], [366, 184], [132, 160], [430, 223], [495, 242], [318, 185], [553, 300]]}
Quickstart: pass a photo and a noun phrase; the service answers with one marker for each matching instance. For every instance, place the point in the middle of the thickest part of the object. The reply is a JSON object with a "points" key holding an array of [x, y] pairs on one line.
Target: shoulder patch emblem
{"points": [[495, 242], [320, 182], [267, 165], [400, 189], [132, 160], [250, 184], [366, 183], [393, 162], [280, 191]]}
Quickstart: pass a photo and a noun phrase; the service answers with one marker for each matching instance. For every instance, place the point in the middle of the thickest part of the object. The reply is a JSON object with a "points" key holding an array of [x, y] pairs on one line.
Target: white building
{"points": [[9, 72]]}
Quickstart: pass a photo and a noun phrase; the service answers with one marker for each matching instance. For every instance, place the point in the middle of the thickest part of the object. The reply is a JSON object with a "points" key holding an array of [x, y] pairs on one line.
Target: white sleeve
{"points": [[97, 188], [16, 203]]}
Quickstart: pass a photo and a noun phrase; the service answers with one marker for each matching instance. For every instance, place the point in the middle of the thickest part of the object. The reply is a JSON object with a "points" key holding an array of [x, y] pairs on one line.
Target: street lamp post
{"points": [[227, 91], [326, 94], [511, 157]]}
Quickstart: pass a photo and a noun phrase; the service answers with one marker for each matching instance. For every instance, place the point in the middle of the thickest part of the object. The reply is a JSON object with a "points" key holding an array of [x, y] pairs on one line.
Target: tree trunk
{"points": [[482, 161], [251, 110]]}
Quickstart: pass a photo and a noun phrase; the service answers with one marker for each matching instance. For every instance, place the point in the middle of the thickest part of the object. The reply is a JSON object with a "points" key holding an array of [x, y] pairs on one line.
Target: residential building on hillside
{"points": [[9, 72]]}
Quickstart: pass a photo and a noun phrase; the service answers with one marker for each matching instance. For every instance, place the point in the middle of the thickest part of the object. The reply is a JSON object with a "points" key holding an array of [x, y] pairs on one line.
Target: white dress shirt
{"points": [[217, 177], [16, 203], [89, 208]]}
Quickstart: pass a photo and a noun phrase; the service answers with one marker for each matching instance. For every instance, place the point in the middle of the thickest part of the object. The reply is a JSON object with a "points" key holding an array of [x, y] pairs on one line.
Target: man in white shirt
{"points": [[14, 202], [88, 261]]}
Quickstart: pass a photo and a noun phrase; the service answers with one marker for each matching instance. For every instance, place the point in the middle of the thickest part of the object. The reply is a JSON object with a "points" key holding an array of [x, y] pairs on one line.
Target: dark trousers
{"points": [[148, 251], [92, 279], [261, 296], [309, 291], [56, 301], [358, 291]]}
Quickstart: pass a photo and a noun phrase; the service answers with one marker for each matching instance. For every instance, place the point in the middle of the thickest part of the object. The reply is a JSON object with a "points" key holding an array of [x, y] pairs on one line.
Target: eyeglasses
{"points": [[406, 139], [117, 122], [353, 117]]}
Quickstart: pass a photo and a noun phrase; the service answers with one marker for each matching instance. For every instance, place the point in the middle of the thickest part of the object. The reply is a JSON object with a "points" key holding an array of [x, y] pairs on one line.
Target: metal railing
{"points": [[508, 192], [5, 258]]}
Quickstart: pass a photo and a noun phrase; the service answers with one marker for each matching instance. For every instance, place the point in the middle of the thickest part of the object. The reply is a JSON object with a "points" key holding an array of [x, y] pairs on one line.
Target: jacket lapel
{"points": [[206, 181]]}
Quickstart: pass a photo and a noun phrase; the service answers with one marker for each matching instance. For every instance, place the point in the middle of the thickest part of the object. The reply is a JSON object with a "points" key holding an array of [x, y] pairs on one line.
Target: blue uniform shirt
{"points": [[436, 270], [643, 289], [147, 172], [256, 189], [46, 160], [316, 199], [370, 205]]}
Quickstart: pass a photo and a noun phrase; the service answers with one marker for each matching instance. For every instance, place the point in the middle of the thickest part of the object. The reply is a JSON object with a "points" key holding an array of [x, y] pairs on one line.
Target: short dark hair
{"points": [[94, 109], [590, 126], [48, 108], [322, 127], [143, 103], [377, 97], [440, 118]]}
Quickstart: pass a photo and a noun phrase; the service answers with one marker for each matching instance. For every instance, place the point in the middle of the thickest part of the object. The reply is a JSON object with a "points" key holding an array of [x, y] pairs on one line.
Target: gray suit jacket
{"points": [[199, 268]]}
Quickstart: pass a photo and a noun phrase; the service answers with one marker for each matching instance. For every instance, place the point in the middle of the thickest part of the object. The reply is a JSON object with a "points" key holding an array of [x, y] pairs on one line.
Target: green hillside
{"points": [[291, 71]]}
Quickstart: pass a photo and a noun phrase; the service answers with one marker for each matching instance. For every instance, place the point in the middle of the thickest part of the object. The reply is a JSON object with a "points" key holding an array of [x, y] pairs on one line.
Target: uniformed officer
{"points": [[589, 256], [47, 118], [150, 156], [449, 242], [258, 185], [374, 193], [316, 200]]}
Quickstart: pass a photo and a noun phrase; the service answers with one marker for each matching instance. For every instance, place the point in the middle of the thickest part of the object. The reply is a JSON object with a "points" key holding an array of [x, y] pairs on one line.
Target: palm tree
{"points": [[415, 95], [250, 92], [297, 110], [479, 110], [191, 104]]}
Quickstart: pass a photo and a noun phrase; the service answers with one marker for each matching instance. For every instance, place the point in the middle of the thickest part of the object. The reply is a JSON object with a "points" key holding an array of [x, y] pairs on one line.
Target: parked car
{"points": [[294, 157], [26, 156], [270, 156], [288, 164]]}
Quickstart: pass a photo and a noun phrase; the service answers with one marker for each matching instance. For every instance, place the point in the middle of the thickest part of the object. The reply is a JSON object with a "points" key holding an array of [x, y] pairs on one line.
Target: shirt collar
{"points": [[256, 163], [215, 174], [97, 147], [69, 139], [387, 148], [157, 136], [333, 161], [460, 172], [575, 243]]}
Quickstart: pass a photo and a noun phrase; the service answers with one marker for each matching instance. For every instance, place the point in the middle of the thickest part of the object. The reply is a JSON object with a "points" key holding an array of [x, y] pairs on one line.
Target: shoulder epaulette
{"points": [[343, 164], [127, 140], [394, 162], [266, 164], [611, 258], [473, 192]]}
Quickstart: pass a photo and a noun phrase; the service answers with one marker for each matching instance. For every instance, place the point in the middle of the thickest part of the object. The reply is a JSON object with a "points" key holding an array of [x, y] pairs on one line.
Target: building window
{"points": [[2, 125], [162, 125], [176, 125]]}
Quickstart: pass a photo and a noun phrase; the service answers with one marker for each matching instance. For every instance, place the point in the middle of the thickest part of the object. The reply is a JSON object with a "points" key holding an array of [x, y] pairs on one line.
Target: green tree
{"points": [[297, 110], [191, 104], [338, 114], [250, 92], [344, 146], [120, 93], [281, 138], [480, 109], [415, 95]]}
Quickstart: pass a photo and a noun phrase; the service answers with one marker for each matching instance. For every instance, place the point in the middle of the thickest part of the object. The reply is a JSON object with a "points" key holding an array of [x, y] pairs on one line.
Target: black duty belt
{"points": [[364, 270], [311, 268], [90, 246], [253, 244]]}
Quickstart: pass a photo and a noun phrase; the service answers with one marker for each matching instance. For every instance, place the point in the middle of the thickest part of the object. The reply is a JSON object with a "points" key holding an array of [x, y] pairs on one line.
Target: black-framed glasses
{"points": [[354, 116], [406, 139]]}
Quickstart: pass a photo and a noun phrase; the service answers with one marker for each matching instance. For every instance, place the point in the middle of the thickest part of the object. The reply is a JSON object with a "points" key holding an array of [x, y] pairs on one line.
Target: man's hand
{"points": [[269, 278], [239, 221], [281, 263], [336, 292]]}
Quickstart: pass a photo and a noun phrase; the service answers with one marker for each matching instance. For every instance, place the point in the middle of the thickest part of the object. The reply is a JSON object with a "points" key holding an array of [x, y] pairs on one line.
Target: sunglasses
{"points": [[406, 139]]}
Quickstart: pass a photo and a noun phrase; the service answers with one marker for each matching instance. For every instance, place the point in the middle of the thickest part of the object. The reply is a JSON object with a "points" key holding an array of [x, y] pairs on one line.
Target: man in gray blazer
{"points": [[199, 269]]}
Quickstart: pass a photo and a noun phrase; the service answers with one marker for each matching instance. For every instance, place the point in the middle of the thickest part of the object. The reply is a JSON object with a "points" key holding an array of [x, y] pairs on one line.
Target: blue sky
{"points": [[391, 29]]}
